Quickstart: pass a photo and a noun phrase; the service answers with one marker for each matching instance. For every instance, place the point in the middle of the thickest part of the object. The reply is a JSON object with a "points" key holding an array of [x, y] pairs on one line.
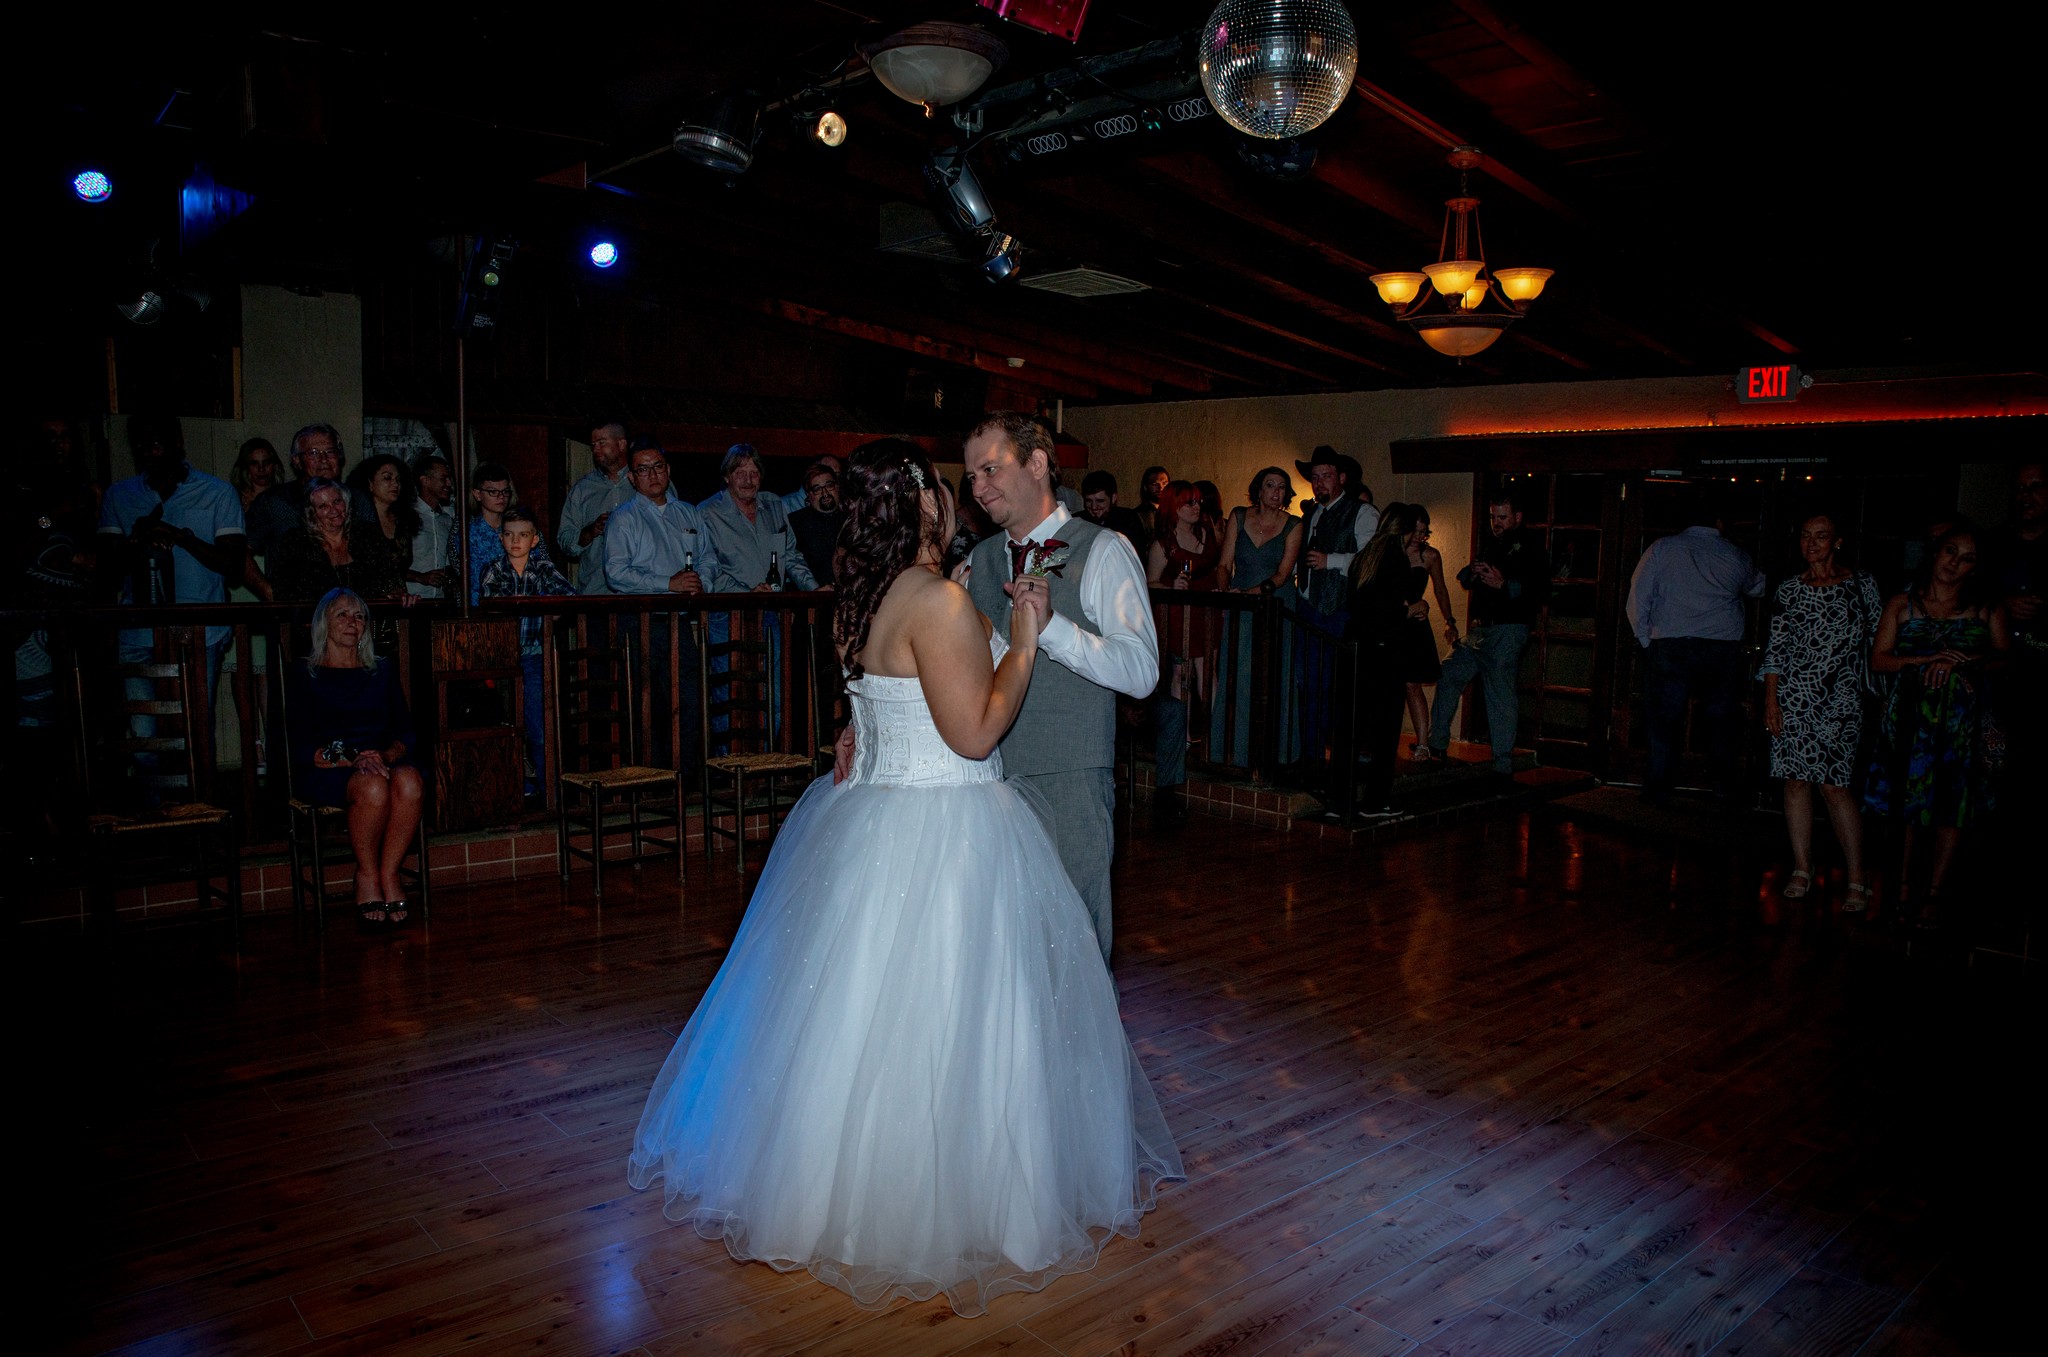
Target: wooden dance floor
{"points": [[1511, 1088]]}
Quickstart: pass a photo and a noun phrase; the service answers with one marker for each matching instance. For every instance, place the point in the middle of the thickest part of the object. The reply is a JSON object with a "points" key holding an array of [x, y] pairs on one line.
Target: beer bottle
{"points": [[774, 570]]}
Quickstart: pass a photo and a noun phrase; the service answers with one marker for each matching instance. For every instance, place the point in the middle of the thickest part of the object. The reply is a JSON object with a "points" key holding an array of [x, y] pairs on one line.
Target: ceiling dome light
{"points": [[722, 138], [936, 64], [604, 254], [1278, 68], [92, 186]]}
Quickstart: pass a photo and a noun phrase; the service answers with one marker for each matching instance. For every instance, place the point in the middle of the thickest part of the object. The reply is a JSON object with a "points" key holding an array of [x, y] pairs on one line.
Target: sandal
{"points": [[1422, 753], [1857, 898], [397, 914], [1798, 886], [370, 916]]}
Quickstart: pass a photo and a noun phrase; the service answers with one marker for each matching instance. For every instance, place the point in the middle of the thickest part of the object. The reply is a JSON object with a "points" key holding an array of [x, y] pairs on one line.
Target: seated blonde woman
{"points": [[353, 745]]}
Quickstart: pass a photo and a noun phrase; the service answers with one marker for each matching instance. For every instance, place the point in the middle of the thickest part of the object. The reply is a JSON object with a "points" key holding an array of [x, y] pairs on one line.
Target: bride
{"points": [[909, 1077]]}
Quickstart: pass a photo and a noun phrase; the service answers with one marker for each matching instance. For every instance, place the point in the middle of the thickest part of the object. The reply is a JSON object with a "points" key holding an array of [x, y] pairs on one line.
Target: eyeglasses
{"points": [[815, 486], [649, 468], [495, 492]]}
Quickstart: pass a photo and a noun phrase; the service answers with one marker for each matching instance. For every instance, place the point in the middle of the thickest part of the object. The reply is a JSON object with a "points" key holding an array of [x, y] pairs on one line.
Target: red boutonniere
{"points": [[1048, 558]]}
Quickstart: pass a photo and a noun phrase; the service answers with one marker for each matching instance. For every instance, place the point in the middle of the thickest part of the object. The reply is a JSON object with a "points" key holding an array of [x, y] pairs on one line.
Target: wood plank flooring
{"points": [[1518, 1087]]}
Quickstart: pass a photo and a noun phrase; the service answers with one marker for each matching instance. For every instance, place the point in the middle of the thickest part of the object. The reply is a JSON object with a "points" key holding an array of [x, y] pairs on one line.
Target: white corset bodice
{"points": [[896, 744]]}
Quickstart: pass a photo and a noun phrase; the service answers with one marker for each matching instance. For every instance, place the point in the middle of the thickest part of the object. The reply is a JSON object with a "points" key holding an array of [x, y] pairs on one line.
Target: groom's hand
{"points": [[842, 755]]}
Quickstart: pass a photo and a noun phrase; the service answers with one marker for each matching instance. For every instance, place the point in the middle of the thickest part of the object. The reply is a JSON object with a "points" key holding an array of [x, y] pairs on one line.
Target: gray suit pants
{"points": [[1081, 805]]}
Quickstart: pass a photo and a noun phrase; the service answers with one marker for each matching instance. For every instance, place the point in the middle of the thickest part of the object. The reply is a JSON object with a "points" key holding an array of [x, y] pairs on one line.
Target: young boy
{"points": [[525, 572], [492, 492]]}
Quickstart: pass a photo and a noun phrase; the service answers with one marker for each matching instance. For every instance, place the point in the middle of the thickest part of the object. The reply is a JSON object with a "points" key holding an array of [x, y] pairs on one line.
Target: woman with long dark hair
{"points": [[909, 1077], [1935, 740], [386, 495], [1381, 611]]}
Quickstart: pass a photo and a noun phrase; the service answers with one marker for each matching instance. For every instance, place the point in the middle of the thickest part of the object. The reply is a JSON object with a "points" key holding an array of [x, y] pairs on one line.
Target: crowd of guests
{"points": [[1922, 707]]}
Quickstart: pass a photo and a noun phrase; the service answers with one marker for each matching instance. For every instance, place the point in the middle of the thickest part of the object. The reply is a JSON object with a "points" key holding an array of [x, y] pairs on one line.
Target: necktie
{"points": [[1018, 551]]}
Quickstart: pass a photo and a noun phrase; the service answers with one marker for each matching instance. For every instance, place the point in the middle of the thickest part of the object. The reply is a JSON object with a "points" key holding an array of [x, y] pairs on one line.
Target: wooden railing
{"points": [[1246, 715]]}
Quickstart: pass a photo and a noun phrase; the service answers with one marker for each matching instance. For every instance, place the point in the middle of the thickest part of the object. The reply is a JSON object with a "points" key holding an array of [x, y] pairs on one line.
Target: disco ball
{"points": [[1278, 68]]}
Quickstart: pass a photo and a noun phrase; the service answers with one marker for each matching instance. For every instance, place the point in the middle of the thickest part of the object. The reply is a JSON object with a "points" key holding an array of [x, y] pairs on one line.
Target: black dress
{"points": [[362, 708], [1419, 660]]}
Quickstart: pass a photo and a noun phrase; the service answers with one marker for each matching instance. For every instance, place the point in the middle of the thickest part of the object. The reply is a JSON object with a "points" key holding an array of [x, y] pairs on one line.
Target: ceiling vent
{"points": [[1083, 283], [912, 230]]}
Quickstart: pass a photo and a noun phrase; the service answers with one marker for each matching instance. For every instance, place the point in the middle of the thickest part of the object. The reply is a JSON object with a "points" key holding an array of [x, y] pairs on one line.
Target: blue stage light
{"points": [[604, 254], [92, 186]]}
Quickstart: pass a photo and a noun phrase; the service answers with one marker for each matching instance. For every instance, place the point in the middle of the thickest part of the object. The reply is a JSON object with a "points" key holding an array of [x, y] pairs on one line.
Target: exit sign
{"points": [[1760, 386]]}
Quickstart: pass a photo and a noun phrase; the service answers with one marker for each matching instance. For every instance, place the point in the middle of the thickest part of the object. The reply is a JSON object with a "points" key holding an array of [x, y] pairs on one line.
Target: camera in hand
{"points": [[339, 752]]}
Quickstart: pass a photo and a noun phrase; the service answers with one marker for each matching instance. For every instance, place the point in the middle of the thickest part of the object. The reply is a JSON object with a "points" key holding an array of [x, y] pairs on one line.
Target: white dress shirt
{"points": [[1115, 597], [430, 547]]}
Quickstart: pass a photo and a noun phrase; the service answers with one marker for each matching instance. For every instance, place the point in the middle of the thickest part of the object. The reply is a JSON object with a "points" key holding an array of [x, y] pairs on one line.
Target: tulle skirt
{"points": [[909, 1077]]}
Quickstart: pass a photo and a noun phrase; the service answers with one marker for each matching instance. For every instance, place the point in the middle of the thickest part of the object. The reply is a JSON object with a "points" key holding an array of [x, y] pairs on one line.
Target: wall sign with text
{"points": [[1780, 383]]}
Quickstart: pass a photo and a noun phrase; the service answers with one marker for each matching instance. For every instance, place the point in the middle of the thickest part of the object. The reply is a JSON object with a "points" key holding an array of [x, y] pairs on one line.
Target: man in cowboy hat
{"points": [[1337, 526]]}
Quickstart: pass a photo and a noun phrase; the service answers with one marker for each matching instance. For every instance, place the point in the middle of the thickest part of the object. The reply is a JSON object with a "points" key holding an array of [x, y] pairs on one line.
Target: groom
{"points": [[1100, 638]]}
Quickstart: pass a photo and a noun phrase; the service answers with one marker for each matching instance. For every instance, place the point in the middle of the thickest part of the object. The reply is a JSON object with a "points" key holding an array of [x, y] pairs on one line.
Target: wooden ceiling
{"points": [[1711, 191]]}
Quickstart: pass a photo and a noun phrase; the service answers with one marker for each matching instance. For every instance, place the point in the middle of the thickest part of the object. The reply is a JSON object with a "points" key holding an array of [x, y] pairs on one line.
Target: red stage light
{"points": [[1060, 18]]}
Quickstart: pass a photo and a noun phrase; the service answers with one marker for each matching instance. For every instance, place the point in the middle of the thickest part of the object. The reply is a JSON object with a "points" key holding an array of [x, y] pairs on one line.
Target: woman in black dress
{"points": [[1425, 664], [1381, 612], [353, 745]]}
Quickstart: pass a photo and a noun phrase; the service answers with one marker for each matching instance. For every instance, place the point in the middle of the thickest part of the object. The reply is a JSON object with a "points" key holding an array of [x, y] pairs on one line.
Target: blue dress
{"points": [[1251, 565], [363, 708]]}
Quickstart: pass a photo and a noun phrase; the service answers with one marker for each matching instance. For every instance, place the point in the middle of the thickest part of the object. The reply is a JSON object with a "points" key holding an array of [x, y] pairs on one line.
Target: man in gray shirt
{"points": [[1686, 605], [746, 527], [587, 511]]}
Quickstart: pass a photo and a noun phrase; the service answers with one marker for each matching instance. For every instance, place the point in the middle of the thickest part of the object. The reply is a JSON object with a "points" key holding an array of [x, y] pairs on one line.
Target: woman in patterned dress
{"points": [[1813, 701], [1932, 767]]}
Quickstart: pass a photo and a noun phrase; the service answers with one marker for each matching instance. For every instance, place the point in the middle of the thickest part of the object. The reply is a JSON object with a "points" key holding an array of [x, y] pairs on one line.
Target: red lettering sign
{"points": [[1781, 382]]}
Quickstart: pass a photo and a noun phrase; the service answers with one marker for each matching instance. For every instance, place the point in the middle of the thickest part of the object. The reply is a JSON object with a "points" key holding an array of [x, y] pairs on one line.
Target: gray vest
{"points": [[1066, 722], [1336, 533]]}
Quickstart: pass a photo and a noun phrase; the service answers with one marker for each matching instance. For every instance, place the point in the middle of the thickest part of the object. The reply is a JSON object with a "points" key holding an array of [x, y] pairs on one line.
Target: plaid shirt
{"points": [[542, 577]]}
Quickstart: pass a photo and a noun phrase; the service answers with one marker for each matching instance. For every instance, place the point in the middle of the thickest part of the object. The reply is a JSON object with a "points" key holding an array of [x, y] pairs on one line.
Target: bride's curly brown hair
{"points": [[885, 528]]}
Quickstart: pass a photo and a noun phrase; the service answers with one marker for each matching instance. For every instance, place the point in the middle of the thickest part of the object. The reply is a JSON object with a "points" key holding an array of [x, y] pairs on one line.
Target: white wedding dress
{"points": [[909, 1077]]}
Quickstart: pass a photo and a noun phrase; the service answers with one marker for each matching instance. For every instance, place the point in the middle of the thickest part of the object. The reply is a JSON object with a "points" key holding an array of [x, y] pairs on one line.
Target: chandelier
{"points": [[1456, 304], [937, 63], [1278, 68]]}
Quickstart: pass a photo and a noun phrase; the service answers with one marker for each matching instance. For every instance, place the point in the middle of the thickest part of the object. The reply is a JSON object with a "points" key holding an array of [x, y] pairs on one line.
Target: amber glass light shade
{"points": [[1452, 276], [1474, 295], [1460, 341], [1398, 289], [1522, 285]]}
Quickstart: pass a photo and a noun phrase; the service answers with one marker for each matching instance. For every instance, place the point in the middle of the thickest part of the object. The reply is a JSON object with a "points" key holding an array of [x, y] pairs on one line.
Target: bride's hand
{"points": [[1030, 604]]}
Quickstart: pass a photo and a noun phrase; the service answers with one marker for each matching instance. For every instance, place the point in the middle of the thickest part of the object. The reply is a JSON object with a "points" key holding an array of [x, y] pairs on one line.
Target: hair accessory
{"points": [[916, 474]]}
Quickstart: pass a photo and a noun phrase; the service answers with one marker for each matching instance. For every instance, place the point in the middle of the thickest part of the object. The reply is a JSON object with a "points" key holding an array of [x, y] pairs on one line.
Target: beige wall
{"points": [[1227, 440], [302, 363]]}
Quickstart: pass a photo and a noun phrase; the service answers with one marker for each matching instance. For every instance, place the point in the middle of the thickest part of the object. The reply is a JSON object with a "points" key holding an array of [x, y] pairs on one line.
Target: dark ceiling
{"points": [[1713, 188]]}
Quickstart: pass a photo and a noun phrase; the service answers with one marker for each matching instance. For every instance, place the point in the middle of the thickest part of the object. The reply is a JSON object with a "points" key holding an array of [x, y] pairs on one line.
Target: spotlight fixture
{"points": [[936, 64], [722, 136], [92, 186], [1004, 260], [951, 179], [1463, 323], [828, 129], [145, 308], [482, 283], [1278, 68], [604, 254]]}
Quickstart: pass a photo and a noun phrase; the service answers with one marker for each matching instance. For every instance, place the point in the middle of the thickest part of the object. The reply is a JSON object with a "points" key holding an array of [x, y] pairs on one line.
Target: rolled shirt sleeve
{"points": [[1114, 596]]}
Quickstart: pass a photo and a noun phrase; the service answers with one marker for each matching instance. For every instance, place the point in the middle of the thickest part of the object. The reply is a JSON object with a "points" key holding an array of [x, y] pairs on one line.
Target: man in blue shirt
{"points": [[170, 535], [1686, 604], [586, 513], [655, 544]]}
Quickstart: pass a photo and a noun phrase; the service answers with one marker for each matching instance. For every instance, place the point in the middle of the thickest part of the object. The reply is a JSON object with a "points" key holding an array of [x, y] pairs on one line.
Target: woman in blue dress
{"points": [[1260, 545], [1936, 738], [353, 745]]}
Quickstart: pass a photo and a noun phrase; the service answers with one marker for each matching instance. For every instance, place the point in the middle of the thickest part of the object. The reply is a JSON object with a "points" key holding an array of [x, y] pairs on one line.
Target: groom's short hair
{"points": [[1027, 434]]}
